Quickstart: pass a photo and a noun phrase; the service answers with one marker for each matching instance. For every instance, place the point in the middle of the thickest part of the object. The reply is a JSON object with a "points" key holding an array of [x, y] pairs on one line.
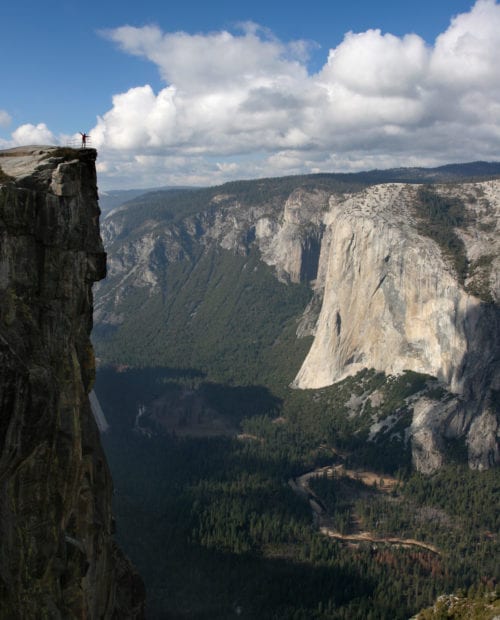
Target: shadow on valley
{"points": [[205, 511], [225, 585], [177, 401], [216, 532], [208, 518]]}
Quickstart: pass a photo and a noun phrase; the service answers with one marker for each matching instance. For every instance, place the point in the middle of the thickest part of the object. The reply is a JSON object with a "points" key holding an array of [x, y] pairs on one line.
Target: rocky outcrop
{"points": [[291, 243], [57, 555]]}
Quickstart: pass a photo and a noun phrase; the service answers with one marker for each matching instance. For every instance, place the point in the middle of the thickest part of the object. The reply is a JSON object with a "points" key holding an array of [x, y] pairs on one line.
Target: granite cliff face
{"points": [[392, 301], [386, 294], [57, 555]]}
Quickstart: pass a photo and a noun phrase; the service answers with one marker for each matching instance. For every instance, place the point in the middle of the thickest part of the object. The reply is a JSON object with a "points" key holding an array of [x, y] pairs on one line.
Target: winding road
{"points": [[323, 521]]}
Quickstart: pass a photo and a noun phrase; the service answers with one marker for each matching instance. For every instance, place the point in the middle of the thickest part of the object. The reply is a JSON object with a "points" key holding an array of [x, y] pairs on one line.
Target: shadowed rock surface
{"points": [[57, 555]]}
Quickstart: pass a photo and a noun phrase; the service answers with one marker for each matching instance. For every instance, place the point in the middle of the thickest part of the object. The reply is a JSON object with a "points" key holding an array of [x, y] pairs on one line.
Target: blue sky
{"points": [[252, 89]]}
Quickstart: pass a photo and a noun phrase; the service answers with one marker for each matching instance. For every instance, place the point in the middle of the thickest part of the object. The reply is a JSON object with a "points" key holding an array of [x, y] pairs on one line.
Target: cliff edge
{"points": [[57, 555]]}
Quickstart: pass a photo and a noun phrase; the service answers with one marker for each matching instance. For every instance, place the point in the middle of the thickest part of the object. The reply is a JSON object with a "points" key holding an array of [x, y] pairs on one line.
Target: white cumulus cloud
{"points": [[466, 55], [244, 104], [216, 61], [32, 134]]}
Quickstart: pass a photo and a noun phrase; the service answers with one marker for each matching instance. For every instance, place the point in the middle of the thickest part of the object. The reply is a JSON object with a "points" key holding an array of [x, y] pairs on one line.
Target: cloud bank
{"points": [[244, 104]]}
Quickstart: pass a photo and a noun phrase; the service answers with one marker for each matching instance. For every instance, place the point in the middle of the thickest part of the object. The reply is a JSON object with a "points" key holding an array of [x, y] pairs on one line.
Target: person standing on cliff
{"points": [[84, 139]]}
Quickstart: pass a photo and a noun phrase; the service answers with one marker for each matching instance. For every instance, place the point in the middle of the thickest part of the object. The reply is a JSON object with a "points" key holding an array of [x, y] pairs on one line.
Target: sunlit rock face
{"points": [[391, 301], [291, 242], [57, 555]]}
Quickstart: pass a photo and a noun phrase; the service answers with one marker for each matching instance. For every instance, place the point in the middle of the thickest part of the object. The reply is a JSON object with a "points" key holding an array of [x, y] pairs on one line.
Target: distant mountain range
{"points": [[110, 199]]}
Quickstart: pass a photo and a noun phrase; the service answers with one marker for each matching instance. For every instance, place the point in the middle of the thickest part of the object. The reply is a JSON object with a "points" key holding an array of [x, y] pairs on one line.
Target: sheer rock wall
{"points": [[391, 301], [57, 555]]}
